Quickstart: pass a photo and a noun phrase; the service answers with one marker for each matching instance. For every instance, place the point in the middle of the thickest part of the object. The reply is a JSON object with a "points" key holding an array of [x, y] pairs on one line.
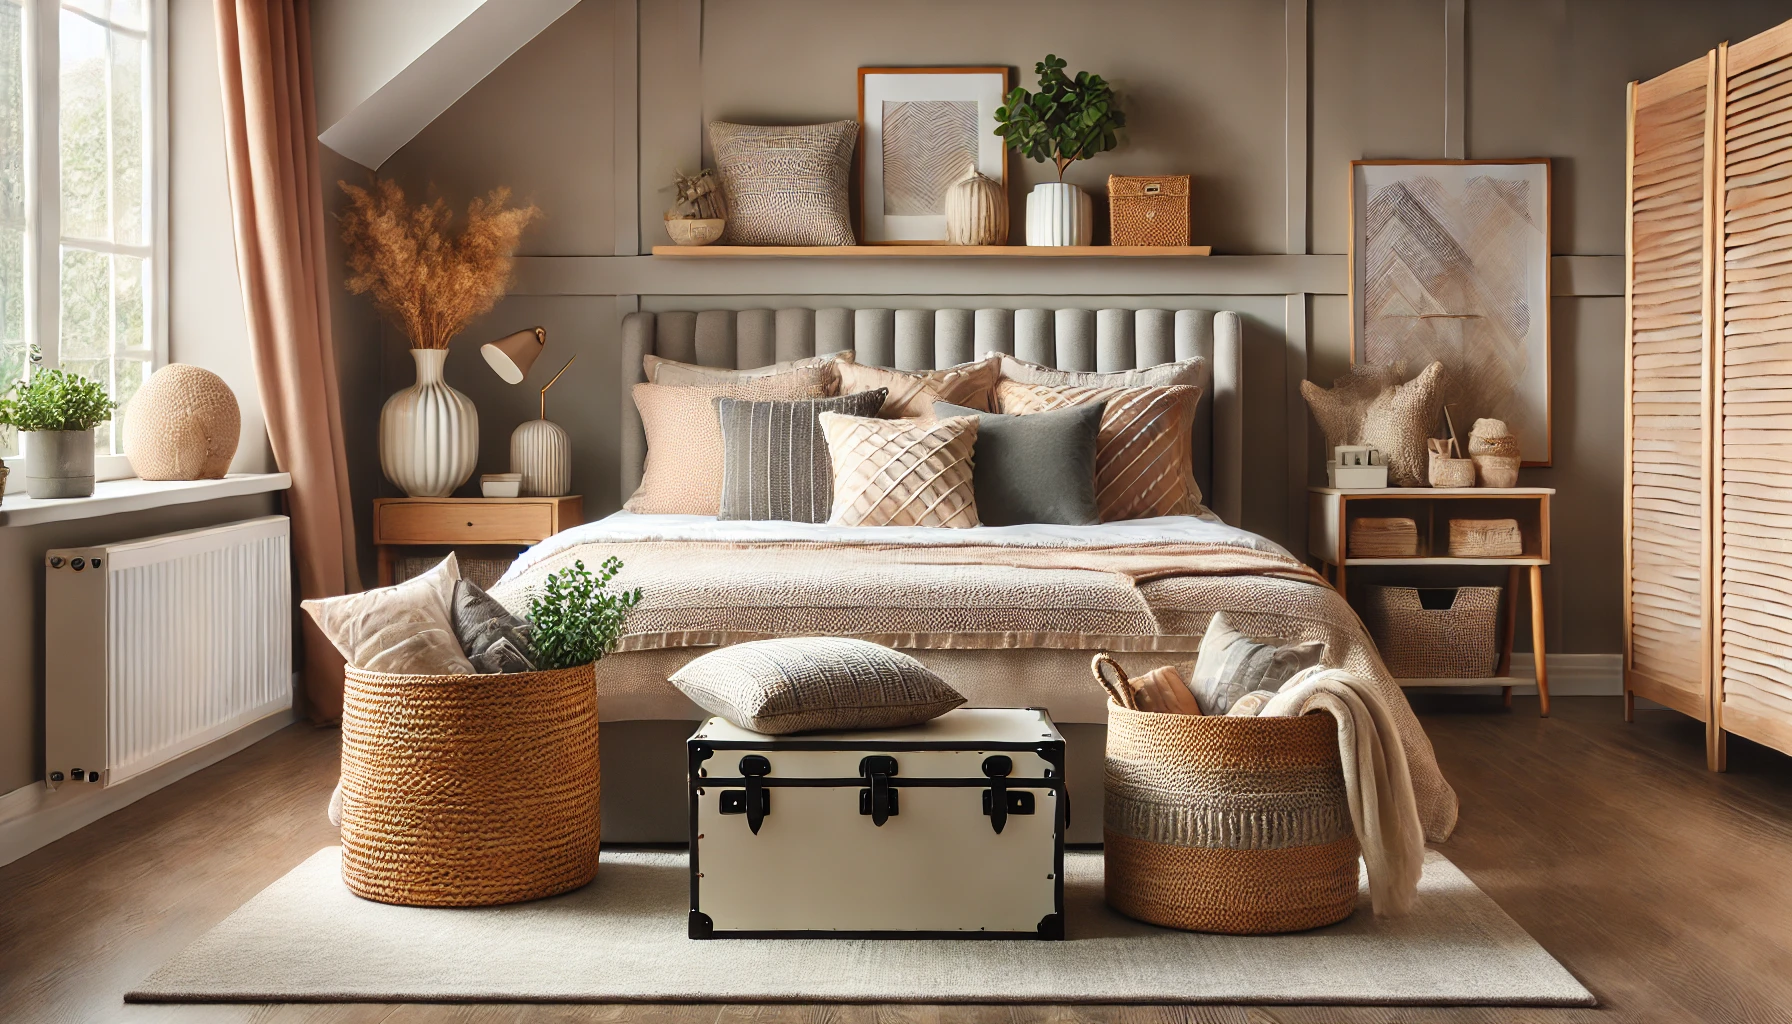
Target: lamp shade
{"points": [[511, 356]]}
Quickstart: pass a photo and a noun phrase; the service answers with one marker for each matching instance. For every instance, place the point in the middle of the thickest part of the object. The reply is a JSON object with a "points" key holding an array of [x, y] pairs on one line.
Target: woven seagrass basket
{"points": [[469, 790], [1435, 632], [1228, 824]]}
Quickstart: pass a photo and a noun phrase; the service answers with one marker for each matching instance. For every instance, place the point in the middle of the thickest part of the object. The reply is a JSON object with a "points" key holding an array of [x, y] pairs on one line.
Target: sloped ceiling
{"points": [[384, 69]]}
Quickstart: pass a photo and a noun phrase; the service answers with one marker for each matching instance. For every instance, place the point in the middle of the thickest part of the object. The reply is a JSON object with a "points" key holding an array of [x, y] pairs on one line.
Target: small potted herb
{"points": [[1067, 120], [576, 618], [57, 411]]}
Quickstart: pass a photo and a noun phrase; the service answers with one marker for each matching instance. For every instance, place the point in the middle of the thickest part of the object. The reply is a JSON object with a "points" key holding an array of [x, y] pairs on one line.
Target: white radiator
{"points": [[155, 647]]}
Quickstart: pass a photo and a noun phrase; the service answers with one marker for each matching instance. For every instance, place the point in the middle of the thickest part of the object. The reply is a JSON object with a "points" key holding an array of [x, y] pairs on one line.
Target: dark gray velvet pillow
{"points": [[775, 461], [1037, 468], [494, 640]]}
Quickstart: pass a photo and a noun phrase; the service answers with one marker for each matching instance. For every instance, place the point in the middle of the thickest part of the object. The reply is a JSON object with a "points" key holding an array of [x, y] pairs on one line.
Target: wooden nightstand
{"points": [[1331, 510], [467, 522]]}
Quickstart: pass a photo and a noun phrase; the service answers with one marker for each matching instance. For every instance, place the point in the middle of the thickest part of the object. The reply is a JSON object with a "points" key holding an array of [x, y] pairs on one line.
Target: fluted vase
{"points": [[429, 432], [1059, 214]]}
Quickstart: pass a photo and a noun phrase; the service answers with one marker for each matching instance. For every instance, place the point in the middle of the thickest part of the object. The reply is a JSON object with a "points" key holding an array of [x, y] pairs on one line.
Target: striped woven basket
{"points": [[469, 790], [1233, 825]]}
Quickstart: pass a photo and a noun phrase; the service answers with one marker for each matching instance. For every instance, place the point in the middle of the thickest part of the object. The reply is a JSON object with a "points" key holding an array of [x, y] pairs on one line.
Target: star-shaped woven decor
{"points": [[1368, 405]]}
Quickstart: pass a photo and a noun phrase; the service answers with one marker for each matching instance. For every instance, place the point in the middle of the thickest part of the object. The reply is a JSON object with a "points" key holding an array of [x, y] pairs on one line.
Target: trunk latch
{"points": [[998, 800], [879, 800], [755, 801]]}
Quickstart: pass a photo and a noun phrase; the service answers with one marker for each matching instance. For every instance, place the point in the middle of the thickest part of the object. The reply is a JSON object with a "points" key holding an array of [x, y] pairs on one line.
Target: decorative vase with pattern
{"points": [[977, 211], [429, 432], [541, 450], [1059, 214]]}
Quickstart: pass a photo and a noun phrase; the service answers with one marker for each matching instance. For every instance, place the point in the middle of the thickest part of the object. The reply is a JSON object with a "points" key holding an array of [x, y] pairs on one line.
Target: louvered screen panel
{"points": [[1668, 351], [1755, 415]]}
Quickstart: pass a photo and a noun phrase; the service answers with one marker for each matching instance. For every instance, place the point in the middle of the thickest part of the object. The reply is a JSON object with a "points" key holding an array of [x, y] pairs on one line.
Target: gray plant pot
{"points": [[59, 463]]}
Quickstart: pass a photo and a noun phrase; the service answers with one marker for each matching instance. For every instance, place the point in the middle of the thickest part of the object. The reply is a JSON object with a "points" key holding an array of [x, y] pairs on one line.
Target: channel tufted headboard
{"points": [[924, 339]]}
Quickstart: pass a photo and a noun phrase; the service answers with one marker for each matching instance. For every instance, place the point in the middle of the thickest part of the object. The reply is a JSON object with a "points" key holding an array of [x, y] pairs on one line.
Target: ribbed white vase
{"points": [[1059, 214], [429, 432], [541, 450]]}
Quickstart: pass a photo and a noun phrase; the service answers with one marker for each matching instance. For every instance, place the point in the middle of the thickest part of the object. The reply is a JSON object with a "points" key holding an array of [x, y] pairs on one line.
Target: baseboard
{"points": [[34, 816], [1570, 675]]}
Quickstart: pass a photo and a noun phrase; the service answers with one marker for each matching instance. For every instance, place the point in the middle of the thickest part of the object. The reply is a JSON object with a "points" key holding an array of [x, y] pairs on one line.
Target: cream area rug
{"points": [[622, 939]]}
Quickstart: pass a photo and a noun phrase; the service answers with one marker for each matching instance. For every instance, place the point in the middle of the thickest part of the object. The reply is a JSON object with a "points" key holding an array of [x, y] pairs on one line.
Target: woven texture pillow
{"points": [[786, 185], [404, 630], [901, 472], [912, 395], [1368, 405], [807, 683], [671, 371], [1144, 456], [775, 458], [1034, 469], [1185, 371], [683, 471], [1231, 665]]}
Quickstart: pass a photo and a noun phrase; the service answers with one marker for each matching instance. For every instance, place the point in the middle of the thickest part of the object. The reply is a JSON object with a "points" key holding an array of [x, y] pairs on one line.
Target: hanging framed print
{"points": [[924, 130], [1449, 261]]}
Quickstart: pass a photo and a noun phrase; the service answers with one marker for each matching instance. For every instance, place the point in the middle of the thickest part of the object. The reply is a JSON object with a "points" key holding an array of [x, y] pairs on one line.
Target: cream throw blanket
{"points": [[1376, 778]]}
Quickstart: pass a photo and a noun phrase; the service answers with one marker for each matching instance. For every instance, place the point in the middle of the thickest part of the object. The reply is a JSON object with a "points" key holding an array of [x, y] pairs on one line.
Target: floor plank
{"points": [[1659, 884]]}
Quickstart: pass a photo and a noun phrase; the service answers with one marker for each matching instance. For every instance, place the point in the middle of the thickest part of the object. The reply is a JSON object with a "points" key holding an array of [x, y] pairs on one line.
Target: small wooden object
{"points": [[1148, 211], [1377, 537], [1485, 538], [456, 522]]}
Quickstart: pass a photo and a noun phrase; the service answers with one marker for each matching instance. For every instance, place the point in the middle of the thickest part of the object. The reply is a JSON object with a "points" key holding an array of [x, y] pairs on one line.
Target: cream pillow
{"points": [[1183, 371], [404, 630], [912, 395], [683, 471], [670, 371], [901, 472]]}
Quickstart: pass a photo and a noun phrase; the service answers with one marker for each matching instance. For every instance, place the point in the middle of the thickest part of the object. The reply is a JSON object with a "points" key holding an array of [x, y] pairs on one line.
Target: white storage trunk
{"points": [[953, 829]]}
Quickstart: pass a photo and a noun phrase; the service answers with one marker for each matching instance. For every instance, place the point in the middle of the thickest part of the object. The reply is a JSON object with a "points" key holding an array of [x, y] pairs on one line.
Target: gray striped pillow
{"points": [[1232, 665], [775, 461], [801, 684]]}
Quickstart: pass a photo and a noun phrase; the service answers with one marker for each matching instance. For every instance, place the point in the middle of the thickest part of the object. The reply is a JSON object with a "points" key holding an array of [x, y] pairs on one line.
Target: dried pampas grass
{"points": [[431, 283]]}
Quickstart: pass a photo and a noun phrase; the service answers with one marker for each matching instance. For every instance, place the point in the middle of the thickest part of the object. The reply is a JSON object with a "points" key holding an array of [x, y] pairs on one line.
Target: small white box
{"points": [[1355, 476], [501, 485]]}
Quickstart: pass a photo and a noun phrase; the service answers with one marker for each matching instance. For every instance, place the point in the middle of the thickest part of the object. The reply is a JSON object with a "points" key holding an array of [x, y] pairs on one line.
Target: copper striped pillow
{"points": [[901, 472], [1144, 454]]}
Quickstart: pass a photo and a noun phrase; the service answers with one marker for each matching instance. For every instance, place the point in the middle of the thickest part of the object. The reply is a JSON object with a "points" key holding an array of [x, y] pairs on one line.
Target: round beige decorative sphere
{"points": [[183, 424]]}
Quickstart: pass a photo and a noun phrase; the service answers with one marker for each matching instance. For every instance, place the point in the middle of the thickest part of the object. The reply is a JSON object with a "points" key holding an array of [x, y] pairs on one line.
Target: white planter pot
{"points": [[541, 450], [429, 432], [1059, 214], [59, 463]]}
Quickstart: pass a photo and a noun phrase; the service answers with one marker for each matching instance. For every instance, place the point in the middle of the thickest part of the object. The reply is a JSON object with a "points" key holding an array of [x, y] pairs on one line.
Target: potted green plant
{"points": [[1067, 120], [56, 411]]}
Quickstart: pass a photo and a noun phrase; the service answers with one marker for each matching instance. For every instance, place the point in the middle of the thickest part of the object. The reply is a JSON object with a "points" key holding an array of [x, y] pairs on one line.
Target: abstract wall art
{"points": [[925, 129], [1449, 261]]}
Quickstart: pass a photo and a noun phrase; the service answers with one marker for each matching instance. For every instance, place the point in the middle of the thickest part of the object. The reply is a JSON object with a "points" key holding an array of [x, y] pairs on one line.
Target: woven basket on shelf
{"points": [[1459, 640], [469, 790], [1233, 825]]}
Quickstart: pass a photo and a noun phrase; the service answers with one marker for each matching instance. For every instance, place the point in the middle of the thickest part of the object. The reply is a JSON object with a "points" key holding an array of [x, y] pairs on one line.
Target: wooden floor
{"points": [[1666, 889]]}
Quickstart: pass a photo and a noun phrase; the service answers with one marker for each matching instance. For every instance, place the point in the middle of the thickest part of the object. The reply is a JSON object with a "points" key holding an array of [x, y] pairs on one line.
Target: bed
{"points": [[1009, 615]]}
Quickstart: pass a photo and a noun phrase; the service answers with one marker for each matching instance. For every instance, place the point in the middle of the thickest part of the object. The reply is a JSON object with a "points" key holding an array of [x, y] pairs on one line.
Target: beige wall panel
{"points": [[1201, 84], [356, 333]]}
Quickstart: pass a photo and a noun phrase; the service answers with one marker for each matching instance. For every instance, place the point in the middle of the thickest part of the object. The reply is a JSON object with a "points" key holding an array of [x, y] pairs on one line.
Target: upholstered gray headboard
{"points": [[924, 339]]}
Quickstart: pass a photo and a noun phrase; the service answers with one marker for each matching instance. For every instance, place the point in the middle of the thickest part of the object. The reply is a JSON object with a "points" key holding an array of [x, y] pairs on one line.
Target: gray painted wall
{"points": [[1265, 102]]}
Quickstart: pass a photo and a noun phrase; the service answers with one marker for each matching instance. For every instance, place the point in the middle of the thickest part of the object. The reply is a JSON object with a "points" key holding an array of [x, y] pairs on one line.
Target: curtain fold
{"points": [[276, 199]]}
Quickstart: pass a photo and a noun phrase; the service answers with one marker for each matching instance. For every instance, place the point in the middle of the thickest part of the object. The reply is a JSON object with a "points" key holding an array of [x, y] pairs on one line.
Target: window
{"points": [[83, 239]]}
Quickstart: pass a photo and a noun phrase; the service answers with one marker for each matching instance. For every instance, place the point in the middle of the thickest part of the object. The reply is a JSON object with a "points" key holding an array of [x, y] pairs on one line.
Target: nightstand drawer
{"points": [[463, 522]]}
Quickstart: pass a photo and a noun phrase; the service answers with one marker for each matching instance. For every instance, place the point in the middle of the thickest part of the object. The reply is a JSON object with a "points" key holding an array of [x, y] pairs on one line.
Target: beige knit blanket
{"points": [[1085, 595]]}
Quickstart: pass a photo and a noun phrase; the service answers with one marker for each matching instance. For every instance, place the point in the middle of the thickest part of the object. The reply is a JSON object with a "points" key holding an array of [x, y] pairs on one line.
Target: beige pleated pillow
{"points": [[660, 370], [404, 630], [1144, 454], [912, 395], [901, 472], [683, 471]]}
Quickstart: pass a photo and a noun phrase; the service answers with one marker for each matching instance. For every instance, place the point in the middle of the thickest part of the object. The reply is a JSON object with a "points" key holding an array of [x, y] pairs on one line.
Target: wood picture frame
{"points": [[939, 96], [1506, 306]]}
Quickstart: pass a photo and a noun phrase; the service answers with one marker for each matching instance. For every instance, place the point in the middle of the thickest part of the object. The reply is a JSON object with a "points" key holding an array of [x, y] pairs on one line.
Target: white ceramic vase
{"points": [[429, 432], [1059, 214], [541, 450]]}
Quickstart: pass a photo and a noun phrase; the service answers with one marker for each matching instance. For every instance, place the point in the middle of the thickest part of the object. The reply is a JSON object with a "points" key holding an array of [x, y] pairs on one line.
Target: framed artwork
{"points": [[1449, 261], [923, 130]]}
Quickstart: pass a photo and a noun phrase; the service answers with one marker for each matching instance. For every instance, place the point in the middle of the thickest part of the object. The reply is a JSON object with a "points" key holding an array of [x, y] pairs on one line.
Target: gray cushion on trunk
{"points": [[802, 684], [1038, 468]]}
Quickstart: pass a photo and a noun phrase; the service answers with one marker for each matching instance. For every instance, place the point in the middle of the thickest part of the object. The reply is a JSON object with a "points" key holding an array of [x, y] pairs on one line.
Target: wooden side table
{"points": [[464, 522], [1331, 510]]}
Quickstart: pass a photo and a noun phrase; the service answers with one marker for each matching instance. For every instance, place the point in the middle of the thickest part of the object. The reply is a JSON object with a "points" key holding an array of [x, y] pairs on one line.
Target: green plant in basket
{"points": [[1067, 120], [55, 400], [577, 618]]}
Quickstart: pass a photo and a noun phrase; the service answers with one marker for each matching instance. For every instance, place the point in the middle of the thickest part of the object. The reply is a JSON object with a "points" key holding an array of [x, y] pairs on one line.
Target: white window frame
{"points": [[43, 201]]}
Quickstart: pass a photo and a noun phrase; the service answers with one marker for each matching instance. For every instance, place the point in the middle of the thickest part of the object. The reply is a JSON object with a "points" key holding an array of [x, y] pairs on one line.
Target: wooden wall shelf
{"points": [[934, 251]]}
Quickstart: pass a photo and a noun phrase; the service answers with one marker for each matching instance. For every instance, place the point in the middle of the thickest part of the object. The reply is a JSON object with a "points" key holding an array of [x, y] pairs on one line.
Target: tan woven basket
{"points": [[1460, 641], [1148, 211], [1233, 825], [469, 790]]}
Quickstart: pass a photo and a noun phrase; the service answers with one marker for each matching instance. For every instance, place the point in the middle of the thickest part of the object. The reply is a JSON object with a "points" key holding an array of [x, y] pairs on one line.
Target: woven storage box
{"points": [[1148, 211], [1377, 537], [1457, 637], [1234, 825], [469, 790]]}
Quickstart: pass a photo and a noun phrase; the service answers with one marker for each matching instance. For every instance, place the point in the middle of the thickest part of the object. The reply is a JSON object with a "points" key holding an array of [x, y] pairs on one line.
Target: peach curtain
{"points": [[276, 199]]}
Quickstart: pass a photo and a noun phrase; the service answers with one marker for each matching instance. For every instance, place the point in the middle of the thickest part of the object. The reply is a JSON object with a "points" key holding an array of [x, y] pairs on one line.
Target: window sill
{"points": [[114, 496]]}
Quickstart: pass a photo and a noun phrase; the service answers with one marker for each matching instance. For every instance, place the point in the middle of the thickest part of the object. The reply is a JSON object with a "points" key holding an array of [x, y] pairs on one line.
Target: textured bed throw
{"points": [[1377, 781], [1140, 586]]}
